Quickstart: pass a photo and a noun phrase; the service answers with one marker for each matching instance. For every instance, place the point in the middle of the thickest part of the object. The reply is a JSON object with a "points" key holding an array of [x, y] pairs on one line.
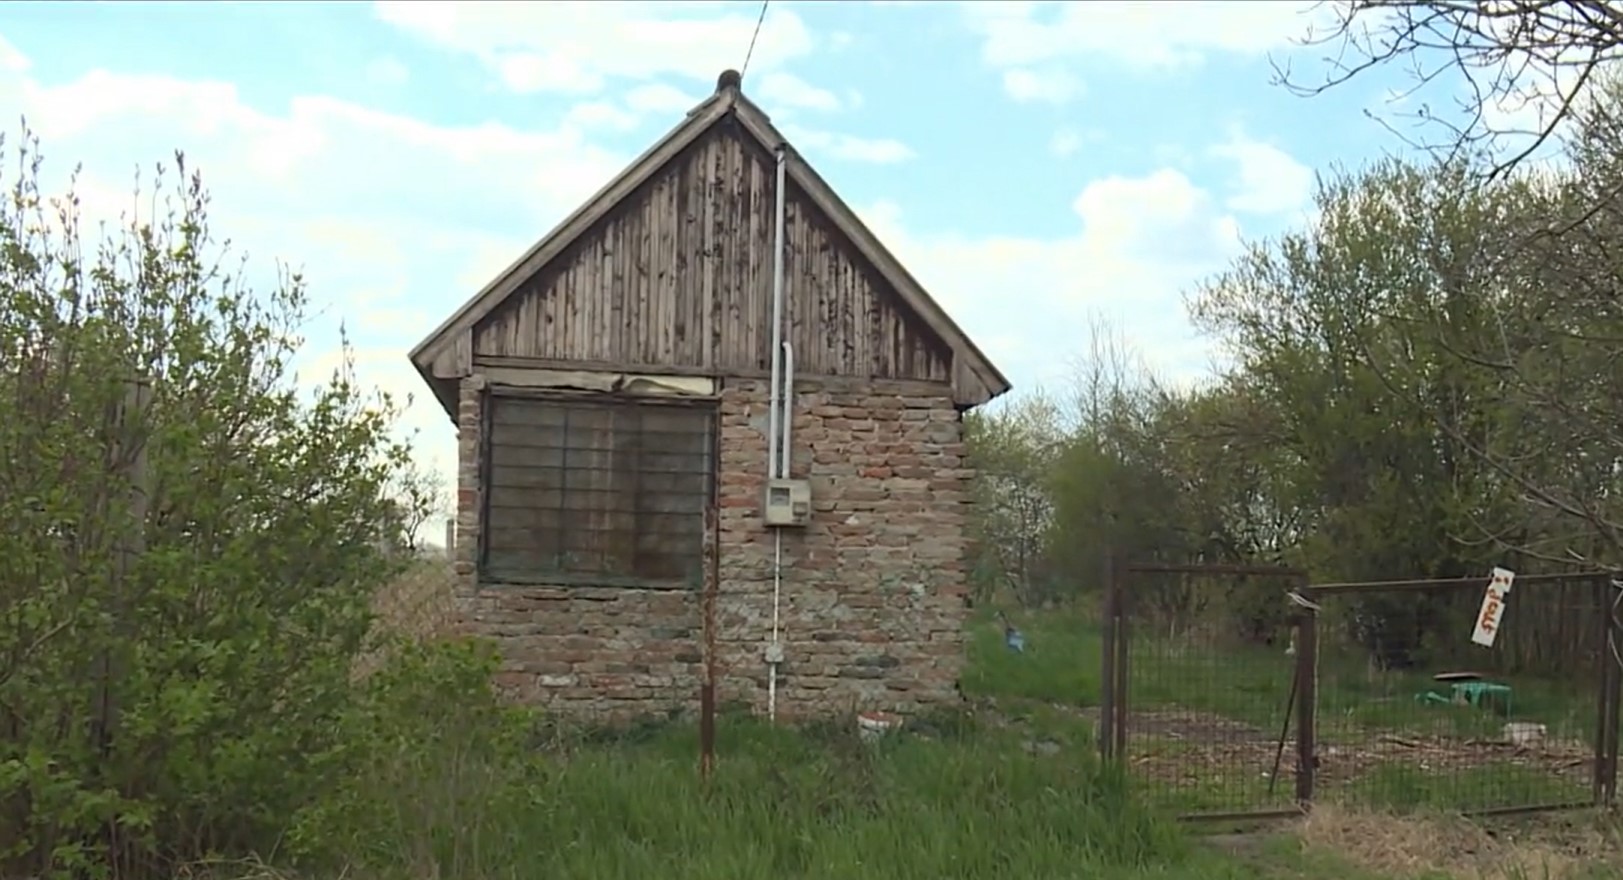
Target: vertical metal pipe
{"points": [[1307, 695], [1608, 695], [778, 244], [1107, 685], [786, 423], [772, 665], [777, 453], [1124, 651], [711, 587]]}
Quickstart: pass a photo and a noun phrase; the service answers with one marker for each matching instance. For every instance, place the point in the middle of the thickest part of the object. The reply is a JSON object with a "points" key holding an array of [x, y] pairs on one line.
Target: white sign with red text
{"points": [[1493, 607]]}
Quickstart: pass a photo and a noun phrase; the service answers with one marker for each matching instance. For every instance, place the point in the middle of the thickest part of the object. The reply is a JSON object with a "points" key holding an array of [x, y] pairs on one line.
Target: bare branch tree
{"points": [[1515, 57]]}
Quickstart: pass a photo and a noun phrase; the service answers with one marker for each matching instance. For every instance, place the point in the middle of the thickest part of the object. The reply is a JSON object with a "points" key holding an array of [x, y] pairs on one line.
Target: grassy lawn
{"points": [[1010, 788], [951, 799]]}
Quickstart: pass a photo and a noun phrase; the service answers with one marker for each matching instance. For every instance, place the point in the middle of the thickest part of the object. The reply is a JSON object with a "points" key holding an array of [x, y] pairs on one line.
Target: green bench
{"points": [[1467, 689]]}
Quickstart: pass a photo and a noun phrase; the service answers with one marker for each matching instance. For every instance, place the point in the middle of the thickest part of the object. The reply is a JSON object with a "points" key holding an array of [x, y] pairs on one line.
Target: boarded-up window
{"points": [[597, 492]]}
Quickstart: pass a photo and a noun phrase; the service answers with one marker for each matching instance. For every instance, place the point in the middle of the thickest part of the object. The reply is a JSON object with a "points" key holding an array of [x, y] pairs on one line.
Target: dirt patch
{"points": [[1342, 761], [1181, 749], [1182, 725], [1191, 726], [1189, 760]]}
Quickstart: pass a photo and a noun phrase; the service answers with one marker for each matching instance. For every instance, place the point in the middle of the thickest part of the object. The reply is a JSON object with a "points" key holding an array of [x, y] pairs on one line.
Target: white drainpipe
{"points": [[786, 423], [772, 436], [777, 423]]}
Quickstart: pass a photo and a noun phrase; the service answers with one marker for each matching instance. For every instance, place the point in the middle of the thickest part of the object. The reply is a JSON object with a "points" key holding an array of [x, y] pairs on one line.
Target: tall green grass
{"points": [[1016, 791], [960, 801]]}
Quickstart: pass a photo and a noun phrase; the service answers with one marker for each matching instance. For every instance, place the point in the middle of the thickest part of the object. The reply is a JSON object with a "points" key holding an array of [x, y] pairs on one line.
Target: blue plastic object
{"points": [[1015, 639]]}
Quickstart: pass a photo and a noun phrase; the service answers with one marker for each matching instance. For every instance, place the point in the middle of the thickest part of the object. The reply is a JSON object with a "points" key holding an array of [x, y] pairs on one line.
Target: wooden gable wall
{"points": [[680, 275]]}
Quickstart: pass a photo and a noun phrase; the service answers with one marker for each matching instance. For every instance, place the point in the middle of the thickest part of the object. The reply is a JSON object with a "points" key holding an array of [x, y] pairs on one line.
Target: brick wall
{"points": [[872, 598]]}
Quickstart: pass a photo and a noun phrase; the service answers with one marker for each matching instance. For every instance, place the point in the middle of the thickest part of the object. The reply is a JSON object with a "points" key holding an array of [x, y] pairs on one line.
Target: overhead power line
{"points": [[751, 51]]}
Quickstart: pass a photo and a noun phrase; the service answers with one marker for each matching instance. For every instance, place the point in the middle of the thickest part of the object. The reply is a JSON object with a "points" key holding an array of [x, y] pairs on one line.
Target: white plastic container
{"points": [[873, 725], [1524, 733]]}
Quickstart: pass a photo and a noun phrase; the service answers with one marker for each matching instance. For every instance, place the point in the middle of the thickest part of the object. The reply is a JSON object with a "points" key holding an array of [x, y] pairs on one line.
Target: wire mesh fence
{"points": [[1466, 695], [418, 605], [1232, 691], [1201, 686]]}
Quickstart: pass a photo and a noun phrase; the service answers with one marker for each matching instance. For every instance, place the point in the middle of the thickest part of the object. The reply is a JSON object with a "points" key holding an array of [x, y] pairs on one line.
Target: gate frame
{"points": [[1608, 687], [1115, 689]]}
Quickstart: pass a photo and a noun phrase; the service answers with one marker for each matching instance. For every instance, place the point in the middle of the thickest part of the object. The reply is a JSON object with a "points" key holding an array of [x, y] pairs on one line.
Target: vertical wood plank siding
{"points": [[681, 275]]}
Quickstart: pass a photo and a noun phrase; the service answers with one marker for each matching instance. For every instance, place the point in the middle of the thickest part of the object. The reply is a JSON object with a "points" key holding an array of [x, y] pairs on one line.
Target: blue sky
{"points": [[1037, 165]]}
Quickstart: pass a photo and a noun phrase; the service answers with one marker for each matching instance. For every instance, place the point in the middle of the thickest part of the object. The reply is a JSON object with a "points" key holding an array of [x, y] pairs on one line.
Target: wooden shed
{"points": [[715, 331]]}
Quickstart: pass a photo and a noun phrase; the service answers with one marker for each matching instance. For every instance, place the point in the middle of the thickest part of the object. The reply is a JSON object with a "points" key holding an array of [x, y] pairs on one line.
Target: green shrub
{"points": [[427, 756], [185, 582]]}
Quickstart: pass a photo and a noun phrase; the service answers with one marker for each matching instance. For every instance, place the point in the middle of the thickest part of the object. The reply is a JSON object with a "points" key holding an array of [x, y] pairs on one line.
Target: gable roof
{"points": [[446, 353]]}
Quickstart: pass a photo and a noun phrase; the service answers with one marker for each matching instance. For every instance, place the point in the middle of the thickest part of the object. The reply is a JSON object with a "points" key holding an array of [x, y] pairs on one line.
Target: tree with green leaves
{"points": [[192, 541], [1014, 451]]}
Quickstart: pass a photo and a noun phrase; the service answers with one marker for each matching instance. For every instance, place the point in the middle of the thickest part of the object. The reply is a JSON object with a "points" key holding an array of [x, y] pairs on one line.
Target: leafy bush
{"points": [[186, 570], [427, 755]]}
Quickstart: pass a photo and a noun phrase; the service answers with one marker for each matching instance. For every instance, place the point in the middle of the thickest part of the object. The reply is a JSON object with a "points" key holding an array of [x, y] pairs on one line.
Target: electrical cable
{"points": [[745, 68]]}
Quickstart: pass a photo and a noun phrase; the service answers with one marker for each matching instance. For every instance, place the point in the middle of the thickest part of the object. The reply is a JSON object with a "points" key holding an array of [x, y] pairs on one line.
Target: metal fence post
{"points": [[1123, 639], [1107, 685], [1307, 667], [1610, 695]]}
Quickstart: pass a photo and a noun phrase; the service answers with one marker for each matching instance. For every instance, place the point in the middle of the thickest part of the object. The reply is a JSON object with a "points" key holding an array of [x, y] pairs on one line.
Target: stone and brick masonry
{"points": [[872, 601]]}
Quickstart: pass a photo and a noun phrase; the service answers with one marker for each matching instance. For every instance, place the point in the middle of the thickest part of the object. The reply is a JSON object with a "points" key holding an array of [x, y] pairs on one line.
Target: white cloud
{"points": [[1270, 181], [578, 47], [387, 72], [660, 98], [1065, 143], [1138, 32], [11, 60], [1048, 86], [850, 148], [1068, 141], [601, 115], [1140, 242], [779, 89], [532, 72], [1036, 45]]}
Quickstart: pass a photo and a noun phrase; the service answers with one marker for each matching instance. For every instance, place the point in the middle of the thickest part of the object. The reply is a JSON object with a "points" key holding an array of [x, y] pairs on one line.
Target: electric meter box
{"points": [[788, 502]]}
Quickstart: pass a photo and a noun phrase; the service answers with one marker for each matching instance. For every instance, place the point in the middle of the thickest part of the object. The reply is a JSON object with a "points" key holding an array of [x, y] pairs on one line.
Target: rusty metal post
{"points": [[1613, 697], [1123, 639], [1609, 696], [707, 689], [1307, 701], [1108, 623]]}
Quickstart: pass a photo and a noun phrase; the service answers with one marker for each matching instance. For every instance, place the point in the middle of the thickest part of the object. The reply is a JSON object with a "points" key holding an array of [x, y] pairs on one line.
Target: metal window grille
{"points": [[602, 492]]}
